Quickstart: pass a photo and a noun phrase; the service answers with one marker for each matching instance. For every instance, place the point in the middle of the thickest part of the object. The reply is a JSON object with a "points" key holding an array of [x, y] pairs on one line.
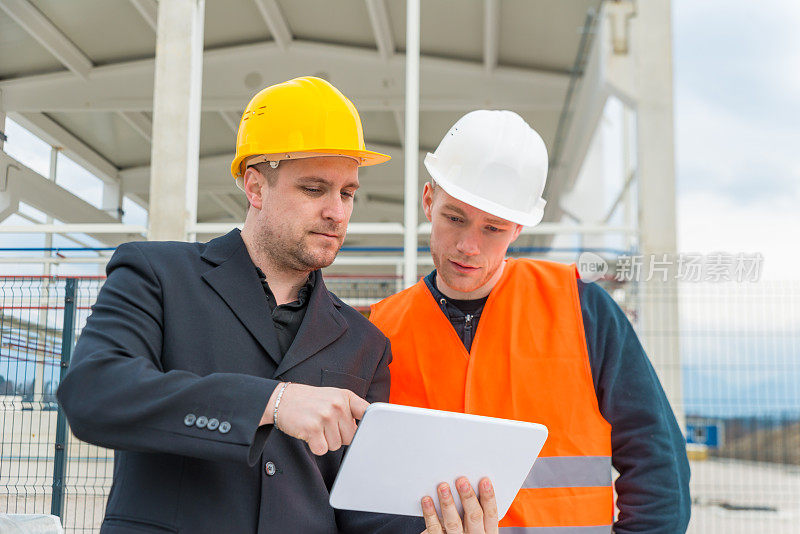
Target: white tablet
{"points": [[400, 454]]}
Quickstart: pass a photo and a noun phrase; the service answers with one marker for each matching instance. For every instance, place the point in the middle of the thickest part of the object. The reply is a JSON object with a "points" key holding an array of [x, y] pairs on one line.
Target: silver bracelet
{"points": [[278, 403]]}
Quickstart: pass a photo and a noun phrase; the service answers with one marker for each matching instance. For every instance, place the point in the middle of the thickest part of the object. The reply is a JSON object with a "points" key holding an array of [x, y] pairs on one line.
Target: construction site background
{"points": [[738, 400]]}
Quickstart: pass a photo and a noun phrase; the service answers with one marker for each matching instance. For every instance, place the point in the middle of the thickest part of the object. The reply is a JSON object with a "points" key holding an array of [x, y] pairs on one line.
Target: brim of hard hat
{"points": [[365, 158], [515, 216]]}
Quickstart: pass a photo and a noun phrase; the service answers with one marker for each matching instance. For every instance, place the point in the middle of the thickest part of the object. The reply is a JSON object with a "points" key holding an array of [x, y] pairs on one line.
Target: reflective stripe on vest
{"points": [[528, 362], [603, 529], [569, 472]]}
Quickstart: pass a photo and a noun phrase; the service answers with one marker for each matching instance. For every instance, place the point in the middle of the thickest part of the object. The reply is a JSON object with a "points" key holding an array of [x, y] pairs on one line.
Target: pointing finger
{"points": [[357, 405]]}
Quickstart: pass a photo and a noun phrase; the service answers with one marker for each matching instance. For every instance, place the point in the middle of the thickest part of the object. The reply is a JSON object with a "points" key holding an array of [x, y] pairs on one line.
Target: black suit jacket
{"points": [[181, 333]]}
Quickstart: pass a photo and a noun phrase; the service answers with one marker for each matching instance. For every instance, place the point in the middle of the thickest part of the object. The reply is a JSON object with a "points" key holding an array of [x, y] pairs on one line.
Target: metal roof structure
{"points": [[80, 75]]}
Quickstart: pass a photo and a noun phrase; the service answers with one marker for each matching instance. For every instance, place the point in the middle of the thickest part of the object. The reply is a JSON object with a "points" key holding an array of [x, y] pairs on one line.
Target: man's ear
{"points": [[253, 182], [427, 199], [517, 231]]}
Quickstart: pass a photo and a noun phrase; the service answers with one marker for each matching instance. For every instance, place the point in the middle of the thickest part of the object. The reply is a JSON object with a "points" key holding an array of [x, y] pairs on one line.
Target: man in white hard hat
{"points": [[528, 340]]}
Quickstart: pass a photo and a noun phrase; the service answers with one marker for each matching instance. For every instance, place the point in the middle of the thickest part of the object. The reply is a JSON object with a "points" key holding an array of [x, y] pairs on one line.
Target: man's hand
{"points": [[325, 418], [480, 517]]}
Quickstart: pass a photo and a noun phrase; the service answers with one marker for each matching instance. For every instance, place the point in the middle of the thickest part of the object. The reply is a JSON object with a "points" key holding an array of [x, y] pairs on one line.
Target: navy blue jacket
{"points": [[648, 448]]}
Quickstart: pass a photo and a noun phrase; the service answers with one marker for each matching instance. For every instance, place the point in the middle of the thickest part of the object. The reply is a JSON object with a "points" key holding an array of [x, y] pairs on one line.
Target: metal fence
{"points": [[43, 468], [738, 394], [740, 373]]}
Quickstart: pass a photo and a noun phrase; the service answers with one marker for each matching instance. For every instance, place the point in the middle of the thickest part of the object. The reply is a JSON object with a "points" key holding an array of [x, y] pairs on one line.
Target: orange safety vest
{"points": [[528, 362]]}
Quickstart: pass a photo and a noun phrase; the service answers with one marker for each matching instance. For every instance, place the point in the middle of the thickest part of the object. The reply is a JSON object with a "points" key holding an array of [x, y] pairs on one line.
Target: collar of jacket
{"points": [[235, 280]]}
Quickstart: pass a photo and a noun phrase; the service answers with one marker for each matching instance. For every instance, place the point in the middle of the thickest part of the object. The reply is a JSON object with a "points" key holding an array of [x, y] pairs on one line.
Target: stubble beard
{"points": [[293, 254], [462, 283]]}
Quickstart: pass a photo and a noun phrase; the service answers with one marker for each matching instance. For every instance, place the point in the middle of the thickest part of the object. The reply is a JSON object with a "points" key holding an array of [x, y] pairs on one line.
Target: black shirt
{"points": [[463, 314], [288, 317]]}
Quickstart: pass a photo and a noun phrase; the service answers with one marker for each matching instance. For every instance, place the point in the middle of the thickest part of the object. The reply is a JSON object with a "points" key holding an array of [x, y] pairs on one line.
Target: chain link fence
{"points": [[737, 375]]}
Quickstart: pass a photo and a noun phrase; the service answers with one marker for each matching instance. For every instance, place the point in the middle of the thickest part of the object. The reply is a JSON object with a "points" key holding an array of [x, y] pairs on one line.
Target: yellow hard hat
{"points": [[303, 117]]}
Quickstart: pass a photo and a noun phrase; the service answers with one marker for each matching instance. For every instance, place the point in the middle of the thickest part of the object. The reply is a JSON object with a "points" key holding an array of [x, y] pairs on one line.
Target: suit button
{"points": [[212, 424], [202, 421], [224, 427], [269, 467], [189, 419]]}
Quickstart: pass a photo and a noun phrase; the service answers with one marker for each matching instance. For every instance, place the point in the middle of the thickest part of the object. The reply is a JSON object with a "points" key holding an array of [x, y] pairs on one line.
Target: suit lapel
{"points": [[236, 281], [321, 326]]}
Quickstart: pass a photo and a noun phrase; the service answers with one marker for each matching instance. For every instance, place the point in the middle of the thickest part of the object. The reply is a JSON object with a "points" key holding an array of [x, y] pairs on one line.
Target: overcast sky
{"points": [[737, 115]]}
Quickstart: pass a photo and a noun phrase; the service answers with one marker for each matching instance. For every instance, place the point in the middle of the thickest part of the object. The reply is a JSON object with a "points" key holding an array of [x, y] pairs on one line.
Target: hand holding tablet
{"points": [[480, 511], [400, 454]]}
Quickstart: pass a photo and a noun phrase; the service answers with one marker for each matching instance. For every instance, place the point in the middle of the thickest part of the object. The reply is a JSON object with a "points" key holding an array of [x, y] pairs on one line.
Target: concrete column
{"points": [[2, 122], [54, 151], [112, 200], [629, 168], [111, 204], [176, 119], [411, 144], [652, 48], [9, 197], [45, 316]]}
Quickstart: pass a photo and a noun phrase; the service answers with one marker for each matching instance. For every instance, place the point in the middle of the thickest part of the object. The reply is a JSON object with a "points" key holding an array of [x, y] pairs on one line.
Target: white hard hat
{"points": [[493, 161]]}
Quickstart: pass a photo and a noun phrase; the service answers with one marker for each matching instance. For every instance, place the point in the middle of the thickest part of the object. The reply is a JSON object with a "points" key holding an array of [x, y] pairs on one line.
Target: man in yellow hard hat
{"points": [[528, 340], [224, 374]]}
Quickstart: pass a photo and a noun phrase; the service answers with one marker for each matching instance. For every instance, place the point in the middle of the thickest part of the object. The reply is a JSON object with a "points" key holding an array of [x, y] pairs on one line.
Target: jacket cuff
{"points": [[259, 442], [262, 432]]}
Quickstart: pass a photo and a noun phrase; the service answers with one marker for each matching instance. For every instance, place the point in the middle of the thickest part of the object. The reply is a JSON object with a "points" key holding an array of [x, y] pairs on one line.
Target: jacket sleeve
{"points": [[117, 394], [648, 448], [351, 522]]}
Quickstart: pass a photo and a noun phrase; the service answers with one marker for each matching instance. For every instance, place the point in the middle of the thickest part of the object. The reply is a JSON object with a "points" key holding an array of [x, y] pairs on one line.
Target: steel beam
{"points": [[148, 9], [491, 34], [46, 34], [82, 228], [139, 122], [53, 133], [400, 123], [579, 124], [360, 73], [2, 122], [231, 119], [276, 22], [228, 205], [381, 27], [215, 173], [35, 190]]}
